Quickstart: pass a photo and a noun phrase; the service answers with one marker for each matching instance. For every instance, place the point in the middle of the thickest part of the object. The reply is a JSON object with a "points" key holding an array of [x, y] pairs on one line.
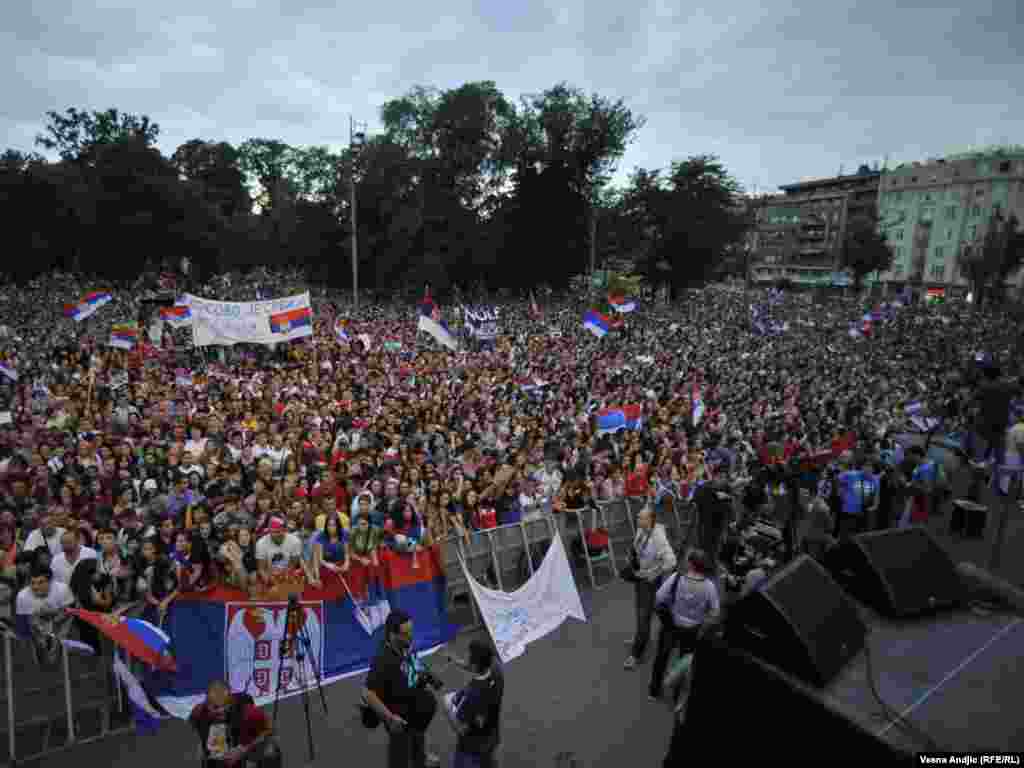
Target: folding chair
{"points": [[616, 518], [590, 559]]}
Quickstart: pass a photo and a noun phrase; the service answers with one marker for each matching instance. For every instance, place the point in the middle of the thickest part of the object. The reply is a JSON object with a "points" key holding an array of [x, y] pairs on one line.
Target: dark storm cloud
{"points": [[779, 90]]}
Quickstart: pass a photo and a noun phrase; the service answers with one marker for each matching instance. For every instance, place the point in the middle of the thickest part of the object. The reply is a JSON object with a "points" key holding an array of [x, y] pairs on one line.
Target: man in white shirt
{"points": [[278, 551], [46, 535], [72, 554], [40, 610]]}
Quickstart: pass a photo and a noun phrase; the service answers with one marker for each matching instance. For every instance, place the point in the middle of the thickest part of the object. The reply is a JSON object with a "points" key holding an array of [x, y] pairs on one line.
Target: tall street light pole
{"points": [[355, 143]]}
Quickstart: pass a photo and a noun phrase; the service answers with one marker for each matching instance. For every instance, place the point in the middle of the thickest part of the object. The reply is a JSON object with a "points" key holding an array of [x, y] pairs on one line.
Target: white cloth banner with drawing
{"points": [[516, 619], [226, 323]]}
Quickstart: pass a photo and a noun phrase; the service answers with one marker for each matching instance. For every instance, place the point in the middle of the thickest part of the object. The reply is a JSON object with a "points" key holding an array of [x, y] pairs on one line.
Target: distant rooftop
{"points": [[982, 153], [863, 173]]}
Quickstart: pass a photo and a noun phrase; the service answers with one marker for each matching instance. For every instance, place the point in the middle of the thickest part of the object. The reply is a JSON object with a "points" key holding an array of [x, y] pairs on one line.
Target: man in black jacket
{"points": [[393, 692]]}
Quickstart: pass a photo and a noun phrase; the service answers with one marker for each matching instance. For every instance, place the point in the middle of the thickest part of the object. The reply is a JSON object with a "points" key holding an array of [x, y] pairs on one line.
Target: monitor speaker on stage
{"points": [[801, 621], [898, 572], [768, 711]]}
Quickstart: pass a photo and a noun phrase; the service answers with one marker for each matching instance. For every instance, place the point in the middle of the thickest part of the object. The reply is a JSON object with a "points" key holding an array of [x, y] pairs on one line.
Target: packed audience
{"points": [[129, 478]]}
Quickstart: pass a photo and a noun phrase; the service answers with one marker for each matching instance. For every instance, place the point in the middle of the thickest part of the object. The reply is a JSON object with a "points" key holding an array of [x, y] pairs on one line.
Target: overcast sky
{"points": [[781, 90]]}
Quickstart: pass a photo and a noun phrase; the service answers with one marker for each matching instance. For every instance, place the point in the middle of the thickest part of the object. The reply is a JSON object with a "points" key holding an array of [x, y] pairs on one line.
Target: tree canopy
{"points": [[461, 186]]}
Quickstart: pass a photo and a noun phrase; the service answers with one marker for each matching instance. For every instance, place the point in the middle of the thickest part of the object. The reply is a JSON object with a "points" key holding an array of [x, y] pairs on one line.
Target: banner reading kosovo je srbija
{"points": [[222, 634], [225, 323]]}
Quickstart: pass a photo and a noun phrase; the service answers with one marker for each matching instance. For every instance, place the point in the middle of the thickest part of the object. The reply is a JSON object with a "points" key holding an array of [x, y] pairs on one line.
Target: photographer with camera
{"points": [[398, 692], [650, 559]]}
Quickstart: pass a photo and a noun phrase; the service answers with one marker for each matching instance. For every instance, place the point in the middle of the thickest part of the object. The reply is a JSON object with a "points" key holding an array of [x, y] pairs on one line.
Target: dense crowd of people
{"points": [[129, 477]]}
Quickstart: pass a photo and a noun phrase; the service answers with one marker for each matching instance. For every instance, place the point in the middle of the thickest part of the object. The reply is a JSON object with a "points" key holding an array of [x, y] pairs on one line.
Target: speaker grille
{"points": [[801, 621], [916, 574]]}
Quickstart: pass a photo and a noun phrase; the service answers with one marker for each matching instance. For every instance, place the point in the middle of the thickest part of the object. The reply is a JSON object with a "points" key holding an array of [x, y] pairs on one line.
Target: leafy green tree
{"points": [[214, 166], [75, 134], [988, 264], [864, 249]]}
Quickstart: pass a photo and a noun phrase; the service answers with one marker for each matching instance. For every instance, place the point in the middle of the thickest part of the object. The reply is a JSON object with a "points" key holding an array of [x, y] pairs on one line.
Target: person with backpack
{"points": [[685, 603], [651, 558], [232, 730]]}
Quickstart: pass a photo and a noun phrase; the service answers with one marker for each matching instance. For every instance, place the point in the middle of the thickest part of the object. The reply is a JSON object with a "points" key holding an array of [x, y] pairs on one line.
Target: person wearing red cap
{"points": [[277, 552]]}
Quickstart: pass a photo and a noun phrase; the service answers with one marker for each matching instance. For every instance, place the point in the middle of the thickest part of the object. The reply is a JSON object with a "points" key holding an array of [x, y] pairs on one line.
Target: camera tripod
{"points": [[297, 642]]}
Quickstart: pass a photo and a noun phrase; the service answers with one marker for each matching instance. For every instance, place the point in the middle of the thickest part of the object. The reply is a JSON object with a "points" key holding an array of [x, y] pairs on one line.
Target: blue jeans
{"points": [[467, 760]]}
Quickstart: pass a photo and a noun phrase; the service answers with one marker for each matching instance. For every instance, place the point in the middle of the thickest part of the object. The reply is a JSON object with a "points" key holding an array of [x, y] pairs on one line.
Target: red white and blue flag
{"points": [[611, 420], [292, 320], [622, 305], [177, 316], [87, 306], [597, 324]]}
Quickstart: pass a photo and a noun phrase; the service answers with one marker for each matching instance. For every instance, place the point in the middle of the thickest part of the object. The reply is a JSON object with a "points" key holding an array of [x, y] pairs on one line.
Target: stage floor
{"points": [[957, 677]]}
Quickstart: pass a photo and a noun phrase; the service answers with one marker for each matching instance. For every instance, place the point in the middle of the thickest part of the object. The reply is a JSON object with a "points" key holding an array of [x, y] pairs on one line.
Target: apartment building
{"points": [[932, 212], [798, 233]]}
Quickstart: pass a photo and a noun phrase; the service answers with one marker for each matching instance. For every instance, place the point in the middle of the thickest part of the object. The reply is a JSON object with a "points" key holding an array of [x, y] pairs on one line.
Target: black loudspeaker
{"points": [[899, 572], [764, 704], [801, 621]]}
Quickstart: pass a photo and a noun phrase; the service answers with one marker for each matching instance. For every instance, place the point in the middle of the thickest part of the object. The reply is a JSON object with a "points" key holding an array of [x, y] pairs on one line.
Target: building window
{"points": [[899, 234], [938, 252], [972, 233], [979, 192], [976, 211], [897, 270], [927, 197], [938, 271], [1004, 166], [949, 234], [913, 179], [951, 212]]}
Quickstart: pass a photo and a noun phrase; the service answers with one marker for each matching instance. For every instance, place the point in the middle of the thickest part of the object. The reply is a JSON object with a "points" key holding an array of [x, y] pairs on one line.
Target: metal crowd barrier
{"points": [[499, 555], [53, 708]]}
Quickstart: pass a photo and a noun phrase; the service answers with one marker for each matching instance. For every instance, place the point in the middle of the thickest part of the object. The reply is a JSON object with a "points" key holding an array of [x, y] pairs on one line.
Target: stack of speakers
{"points": [[790, 638]]}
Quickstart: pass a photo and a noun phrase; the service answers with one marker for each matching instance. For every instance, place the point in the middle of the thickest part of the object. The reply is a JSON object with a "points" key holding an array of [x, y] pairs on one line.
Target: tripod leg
{"points": [[315, 664]]}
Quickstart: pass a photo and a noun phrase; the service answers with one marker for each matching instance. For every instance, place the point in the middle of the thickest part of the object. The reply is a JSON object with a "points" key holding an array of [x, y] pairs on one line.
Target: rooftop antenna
{"points": [[840, 169], [885, 162]]}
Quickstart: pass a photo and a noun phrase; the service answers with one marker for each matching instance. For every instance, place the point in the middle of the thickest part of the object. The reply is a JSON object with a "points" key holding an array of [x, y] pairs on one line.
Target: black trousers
{"points": [[670, 638], [645, 594], [407, 749]]}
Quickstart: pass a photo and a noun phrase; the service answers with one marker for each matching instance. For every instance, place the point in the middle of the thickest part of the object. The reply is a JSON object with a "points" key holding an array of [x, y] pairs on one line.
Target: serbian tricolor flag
{"points": [[87, 306], [611, 420], [597, 324], [223, 632], [340, 331], [534, 309], [697, 403], [293, 320], [177, 316], [427, 306], [124, 335], [622, 305], [144, 641]]}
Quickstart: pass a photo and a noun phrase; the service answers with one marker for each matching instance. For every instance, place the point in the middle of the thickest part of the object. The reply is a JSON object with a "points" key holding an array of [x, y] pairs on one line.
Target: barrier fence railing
{"points": [[506, 556], [52, 707]]}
